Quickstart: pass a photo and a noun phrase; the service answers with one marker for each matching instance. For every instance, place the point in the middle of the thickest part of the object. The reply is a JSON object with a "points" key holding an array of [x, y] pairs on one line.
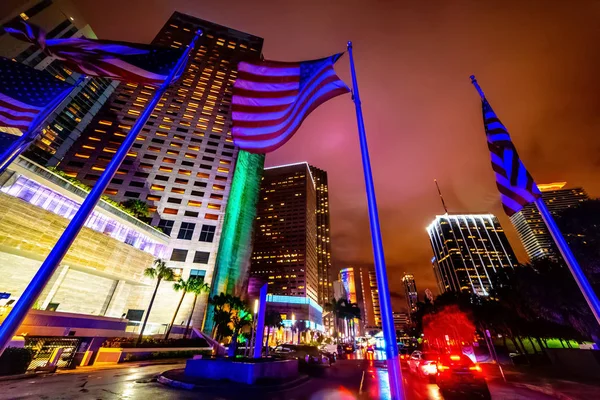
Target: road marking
{"points": [[361, 383]]}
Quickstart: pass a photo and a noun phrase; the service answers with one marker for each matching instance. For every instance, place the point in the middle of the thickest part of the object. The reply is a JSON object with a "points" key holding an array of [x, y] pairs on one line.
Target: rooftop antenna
{"points": [[441, 197]]}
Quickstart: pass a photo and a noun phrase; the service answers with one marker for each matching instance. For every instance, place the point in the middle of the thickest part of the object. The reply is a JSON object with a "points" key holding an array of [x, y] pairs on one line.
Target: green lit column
{"points": [[235, 246]]}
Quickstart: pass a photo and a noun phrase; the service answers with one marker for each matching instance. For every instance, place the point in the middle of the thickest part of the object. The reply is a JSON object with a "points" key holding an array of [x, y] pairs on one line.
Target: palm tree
{"points": [[198, 287], [185, 287], [137, 207], [160, 272], [272, 320], [221, 315]]}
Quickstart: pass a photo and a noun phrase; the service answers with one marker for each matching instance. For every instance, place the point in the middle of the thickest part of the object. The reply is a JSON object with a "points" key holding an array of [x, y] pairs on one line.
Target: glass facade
{"points": [[533, 231], [410, 289], [66, 123], [468, 250]]}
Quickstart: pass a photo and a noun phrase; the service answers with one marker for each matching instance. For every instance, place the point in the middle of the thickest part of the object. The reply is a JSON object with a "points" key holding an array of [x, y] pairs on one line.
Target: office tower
{"points": [[469, 249], [348, 280], [183, 161], [60, 19], [374, 296], [532, 230], [401, 320], [410, 288], [325, 292], [285, 246]]}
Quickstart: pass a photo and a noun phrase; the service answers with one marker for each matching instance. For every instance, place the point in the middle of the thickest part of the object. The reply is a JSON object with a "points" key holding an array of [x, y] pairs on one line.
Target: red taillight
{"points": [[475, 367], [455, 358], [442, 367]]}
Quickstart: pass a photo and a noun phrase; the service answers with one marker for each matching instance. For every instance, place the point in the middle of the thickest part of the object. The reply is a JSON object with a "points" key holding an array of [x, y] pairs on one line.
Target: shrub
{"points": [[15, 360], [164, 354], [125, 343]]}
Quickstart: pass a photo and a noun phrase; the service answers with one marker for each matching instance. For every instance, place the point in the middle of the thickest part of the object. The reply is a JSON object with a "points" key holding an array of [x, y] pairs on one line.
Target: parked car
{"points": [[330, 351], [424, 364], [309, 355], [457, 373], [349, 348]]}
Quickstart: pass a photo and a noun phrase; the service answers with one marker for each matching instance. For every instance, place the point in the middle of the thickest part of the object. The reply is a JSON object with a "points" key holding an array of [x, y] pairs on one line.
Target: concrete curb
{"points": [[192, 386], [23, 376], [549, 391]]}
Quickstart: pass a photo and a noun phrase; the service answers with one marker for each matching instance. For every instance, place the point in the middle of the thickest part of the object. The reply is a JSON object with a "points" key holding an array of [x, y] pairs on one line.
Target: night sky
{"points": [[537, 61]]}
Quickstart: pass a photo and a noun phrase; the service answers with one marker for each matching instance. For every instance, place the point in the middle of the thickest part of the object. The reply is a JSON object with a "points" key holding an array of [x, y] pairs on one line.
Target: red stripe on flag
{"points": [[247, 76], [259, 109], [325, 97], [273, 122], [13, 107], [255, 94]]}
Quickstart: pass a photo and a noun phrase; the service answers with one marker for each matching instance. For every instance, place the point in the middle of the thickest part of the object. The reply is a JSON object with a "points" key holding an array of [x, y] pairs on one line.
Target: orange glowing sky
{"points": [[537, 61]]}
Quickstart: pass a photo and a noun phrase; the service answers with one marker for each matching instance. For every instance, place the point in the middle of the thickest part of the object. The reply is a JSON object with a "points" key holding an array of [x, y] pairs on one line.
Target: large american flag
{"points": [[130, 62], [24, 92], [272, 98], [514, 182]]}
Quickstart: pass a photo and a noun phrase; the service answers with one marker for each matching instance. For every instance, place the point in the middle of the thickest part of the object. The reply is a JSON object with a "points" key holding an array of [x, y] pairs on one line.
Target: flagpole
{"points": [[584, 285], [21, 144], [387, 319], [35, 287]]}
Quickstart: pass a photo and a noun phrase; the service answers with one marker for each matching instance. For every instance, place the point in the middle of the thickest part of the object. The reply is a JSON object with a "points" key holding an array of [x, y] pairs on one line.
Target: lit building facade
{"points": [[183, 161], [325, 292], [533, 231], [401, 321], [102, 274], [468, 250], [410, 289], [285, 249], [360, 287], [60, 19]]}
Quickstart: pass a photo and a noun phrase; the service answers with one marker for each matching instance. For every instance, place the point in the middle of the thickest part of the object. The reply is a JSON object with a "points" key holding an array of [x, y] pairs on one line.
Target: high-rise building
{"points": [[183, 161], [533, 231], [410, 288], [401, 320], [325, 292], [60, 19], [360, 287], [285, 246], [468, 250]]}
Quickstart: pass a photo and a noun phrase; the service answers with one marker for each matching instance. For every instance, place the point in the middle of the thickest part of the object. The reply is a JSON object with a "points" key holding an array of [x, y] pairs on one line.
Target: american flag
{"points": [[514, 182], [272, 98], [130, 62], [24, 92]]}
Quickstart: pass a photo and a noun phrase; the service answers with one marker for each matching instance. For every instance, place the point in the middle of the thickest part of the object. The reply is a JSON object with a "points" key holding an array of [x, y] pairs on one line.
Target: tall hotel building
{"points": [[60, 19], [285, 246], [533, 231], [325, 291], [183, 161], [468, 250]]}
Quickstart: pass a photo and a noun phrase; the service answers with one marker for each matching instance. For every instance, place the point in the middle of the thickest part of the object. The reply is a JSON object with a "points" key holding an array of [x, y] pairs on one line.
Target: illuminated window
{"points": [[178, 190], [214, 206], [159, 188], [194, 203], [213, 217], [104, 122], [172, 211], [165, 169], [218, 187], [202, 175]]}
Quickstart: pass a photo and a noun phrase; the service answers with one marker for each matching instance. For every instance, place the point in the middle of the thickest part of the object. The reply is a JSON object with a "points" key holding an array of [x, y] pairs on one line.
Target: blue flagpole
{"points": [[43, 275], [565, 250], [21, 144], [385, 304]]}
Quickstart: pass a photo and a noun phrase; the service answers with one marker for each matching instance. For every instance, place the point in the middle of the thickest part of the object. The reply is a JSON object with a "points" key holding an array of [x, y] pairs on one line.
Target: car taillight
{"points": [[442, 367], [475, 368], [454, 357]]}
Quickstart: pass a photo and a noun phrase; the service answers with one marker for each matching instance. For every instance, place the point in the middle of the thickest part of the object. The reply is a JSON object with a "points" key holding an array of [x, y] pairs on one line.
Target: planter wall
{"points": [[243, 372]]}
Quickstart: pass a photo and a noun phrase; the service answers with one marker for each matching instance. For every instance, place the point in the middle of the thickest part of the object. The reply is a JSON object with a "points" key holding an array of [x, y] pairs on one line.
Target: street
{"points": [[347, 379]]}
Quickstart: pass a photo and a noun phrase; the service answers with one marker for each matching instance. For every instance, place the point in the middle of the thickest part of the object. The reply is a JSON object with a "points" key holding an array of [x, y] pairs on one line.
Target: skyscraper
{"points": [[325, 292], [410, 288], [60, 19], [468, 249], [183, 161], [533, 231], [285, 246], [360, 287]]}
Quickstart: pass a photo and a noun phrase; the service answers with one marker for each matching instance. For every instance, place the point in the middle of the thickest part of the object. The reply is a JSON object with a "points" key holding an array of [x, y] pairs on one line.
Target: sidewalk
{"points": [[547, 383]]}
